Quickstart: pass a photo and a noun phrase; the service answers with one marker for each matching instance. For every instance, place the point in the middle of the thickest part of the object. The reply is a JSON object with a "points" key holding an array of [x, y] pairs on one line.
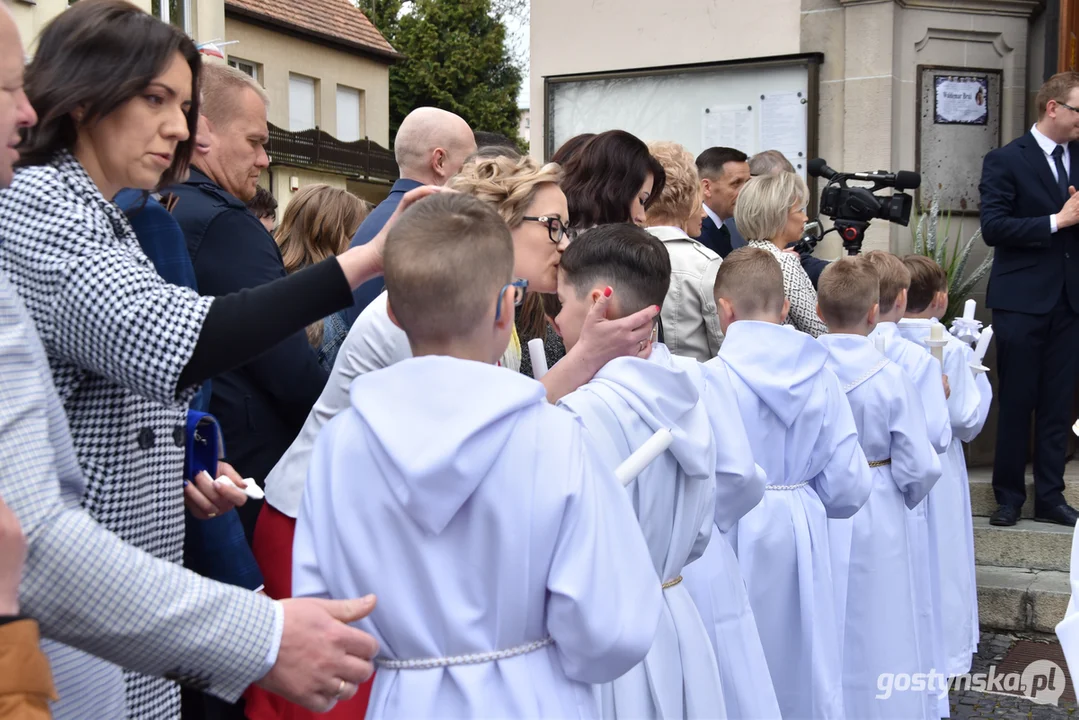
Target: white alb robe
{"points": [[872, 561], [715, 580], [803, 435], [484, 521], [627, 401], [927, 375], [951, 526]]}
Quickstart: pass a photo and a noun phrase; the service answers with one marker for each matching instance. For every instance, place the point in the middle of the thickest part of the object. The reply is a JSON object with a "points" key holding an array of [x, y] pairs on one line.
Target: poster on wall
{"points": [[961, 100]]}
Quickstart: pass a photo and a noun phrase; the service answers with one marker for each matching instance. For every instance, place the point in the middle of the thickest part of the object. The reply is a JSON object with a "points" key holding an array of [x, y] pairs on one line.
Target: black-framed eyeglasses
{"points": [[556, 228], [520, 287], [1075, 110]]}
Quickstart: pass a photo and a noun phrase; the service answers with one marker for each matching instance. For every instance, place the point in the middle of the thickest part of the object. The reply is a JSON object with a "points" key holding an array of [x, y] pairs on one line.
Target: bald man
{"points": [[430, 147]]}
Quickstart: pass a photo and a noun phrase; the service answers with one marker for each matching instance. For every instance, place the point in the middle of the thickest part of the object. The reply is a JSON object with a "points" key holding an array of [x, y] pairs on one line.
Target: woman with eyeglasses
{"points": [[528, 197]]}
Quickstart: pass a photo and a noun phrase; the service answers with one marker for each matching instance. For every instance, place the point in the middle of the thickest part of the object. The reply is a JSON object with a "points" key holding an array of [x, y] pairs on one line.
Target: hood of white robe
{"points": [[665, 392], [780, 364], [437, 425], [853, 359]]}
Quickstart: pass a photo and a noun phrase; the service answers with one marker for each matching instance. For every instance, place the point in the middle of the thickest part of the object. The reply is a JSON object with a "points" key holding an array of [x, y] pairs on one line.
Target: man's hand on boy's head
{"points": [[947, 388]]}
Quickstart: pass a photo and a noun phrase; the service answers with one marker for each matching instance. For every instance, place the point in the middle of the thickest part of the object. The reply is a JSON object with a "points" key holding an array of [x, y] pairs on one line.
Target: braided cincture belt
{"points": [[671, 583], [786, 487], [472, 659], [880, 463]]}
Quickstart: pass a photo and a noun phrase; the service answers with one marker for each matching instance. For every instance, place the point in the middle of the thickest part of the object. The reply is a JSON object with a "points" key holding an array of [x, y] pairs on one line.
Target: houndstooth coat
{"points": [[117, 337]]}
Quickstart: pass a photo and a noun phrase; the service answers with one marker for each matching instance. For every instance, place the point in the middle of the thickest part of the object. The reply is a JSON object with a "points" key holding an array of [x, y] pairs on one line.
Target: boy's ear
{"points": [[726, 313], [901, 299], [821, 314], [871, 318], [389, 312], [506, 315], [786, 310]]}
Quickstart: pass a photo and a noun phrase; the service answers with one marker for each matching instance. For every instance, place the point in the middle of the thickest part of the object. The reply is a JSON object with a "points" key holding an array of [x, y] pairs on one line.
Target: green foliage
{"points": [[934, 242], [456, 59]]}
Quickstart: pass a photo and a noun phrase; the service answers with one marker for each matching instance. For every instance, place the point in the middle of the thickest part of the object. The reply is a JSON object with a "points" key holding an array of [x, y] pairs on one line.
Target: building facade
{"points": [[324, 66]]}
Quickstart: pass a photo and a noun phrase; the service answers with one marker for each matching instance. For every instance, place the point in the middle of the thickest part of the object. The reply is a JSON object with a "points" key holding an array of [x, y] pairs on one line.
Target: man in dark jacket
{"points": [[1030, 214], [263, 404]]}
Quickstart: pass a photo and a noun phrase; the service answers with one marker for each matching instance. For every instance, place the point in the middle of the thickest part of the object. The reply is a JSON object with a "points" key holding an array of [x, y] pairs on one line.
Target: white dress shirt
{"points": [[1048, 146]]}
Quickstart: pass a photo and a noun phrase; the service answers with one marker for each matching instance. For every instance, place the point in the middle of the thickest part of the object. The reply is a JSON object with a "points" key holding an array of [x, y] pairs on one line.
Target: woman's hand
{"points": [[207, 498], [603, 340], [364, 262], [12, 556]]}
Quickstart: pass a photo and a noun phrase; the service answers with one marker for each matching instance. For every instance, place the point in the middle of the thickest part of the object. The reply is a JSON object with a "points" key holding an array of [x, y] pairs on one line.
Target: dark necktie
{"points": [[1062, 174], [724, 244]]}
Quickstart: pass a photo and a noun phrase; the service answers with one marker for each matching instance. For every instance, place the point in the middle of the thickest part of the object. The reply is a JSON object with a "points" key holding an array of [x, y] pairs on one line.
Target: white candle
{"points": [[539, 358], [982, 345], [969, 308], [635, 464], [936, 337]]}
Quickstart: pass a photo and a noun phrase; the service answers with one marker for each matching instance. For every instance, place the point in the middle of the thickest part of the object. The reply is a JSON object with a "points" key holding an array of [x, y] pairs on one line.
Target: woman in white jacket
{"points": [[690, 320]]}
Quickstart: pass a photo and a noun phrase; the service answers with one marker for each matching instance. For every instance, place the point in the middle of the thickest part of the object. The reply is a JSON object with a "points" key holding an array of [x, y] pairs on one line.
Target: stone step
{"points": [[983, 503], [1021, 600], [1027, 544]]}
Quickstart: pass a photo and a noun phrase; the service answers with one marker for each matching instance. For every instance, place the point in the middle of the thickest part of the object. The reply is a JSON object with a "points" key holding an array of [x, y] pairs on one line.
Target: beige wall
{"points": [[281, 54], [207, 21], [280, 178], [571, 36]]}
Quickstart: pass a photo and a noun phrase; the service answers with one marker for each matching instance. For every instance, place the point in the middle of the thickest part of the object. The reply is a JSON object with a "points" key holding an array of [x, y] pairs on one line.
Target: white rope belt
{"points": [[786, 487], [473, 659]]}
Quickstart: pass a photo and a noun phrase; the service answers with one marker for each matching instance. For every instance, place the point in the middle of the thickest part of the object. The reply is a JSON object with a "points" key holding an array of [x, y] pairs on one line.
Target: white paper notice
{"points": [[783, 126], [728, 126], [961, 100]]}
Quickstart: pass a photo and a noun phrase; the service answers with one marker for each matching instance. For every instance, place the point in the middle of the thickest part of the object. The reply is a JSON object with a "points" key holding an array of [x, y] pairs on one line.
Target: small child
{"points": [[870, 551], [804, 437], [627, 401], [951, 530], [927, 376], [509, 566]]}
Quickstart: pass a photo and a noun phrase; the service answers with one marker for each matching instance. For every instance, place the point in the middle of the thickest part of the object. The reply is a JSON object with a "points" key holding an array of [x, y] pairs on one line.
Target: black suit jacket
{"points": [[713, 240], [262, 404], [1032, 265]]}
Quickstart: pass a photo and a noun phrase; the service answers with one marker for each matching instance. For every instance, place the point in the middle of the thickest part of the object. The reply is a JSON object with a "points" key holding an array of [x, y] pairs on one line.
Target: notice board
{"points": [[958, 124], [754, 105]]}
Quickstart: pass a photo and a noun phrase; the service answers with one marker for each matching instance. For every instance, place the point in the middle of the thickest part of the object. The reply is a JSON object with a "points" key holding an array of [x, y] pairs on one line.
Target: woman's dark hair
{"points": [[571, 147], [95, 56], [602, 178]]}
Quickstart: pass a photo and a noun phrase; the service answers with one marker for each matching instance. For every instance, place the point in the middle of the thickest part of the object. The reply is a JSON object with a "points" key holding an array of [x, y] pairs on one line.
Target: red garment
{"points": [[273, 552]]}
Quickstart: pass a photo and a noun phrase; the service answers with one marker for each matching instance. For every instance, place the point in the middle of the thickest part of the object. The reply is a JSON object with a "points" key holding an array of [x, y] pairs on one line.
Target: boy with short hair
{"points": [[951, 530], [871, 560], [627, 401], [510, 570], [802, 433]]}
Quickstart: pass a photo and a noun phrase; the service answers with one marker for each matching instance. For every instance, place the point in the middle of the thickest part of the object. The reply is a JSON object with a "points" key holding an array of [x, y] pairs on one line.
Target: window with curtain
{"points": [[349, 122], [301, 103]]}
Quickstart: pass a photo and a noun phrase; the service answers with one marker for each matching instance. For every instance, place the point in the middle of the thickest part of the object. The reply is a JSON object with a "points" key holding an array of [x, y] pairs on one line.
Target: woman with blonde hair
{"points": [[771, 215], [318, 224], [690, 320]]}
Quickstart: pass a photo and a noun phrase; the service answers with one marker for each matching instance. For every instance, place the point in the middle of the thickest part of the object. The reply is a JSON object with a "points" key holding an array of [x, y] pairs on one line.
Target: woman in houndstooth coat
{"points": [[117, 95]]}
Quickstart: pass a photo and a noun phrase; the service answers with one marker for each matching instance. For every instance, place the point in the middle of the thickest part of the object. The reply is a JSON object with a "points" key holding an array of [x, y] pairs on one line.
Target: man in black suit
{"points": [[723, 172], [1030, 214]]}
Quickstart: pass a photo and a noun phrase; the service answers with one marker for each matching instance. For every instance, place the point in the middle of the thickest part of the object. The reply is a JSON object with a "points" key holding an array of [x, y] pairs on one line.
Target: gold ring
{"points": [[341, 690], [212, 515]]}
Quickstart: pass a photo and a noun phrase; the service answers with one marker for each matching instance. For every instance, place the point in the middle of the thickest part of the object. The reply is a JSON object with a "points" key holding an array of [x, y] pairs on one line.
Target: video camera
{"points": [[851, 208]]}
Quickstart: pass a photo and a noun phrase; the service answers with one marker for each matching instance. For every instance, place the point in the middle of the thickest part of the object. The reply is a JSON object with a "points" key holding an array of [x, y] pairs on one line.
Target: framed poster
{"points": [[960, 100]]}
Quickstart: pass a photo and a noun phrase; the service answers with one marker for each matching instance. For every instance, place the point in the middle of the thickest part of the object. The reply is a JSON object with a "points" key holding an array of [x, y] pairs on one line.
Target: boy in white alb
{"points": [[951, 528], [927, 376], [509, 566], [804, 437], [870, 551], [627, 401]]}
